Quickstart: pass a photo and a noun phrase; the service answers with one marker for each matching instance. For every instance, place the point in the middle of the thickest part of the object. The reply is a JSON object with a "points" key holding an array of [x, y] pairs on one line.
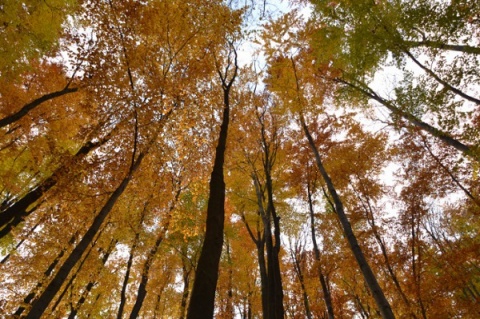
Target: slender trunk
{"points": [[298, 270], [371, 221], [42, 303], [91, 284], [259, 241], [142, 287], [441, 81], [443, 46], [229, 311], [74, 276], [327, 296], [202, 301], [269, 148], [32, 229], [186, 270], [136, 241], [444, 137], [370, 279], [30, 106], [31, 296], [18, 211]]}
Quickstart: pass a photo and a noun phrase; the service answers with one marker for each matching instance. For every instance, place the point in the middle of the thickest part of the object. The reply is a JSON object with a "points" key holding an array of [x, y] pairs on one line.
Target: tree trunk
{"points": [[136, 240], [259, 241], [142, 287], [298, 270], [42, 303], [327, 296], [18, 211], [370, 279], [31, 296], [443, 136], [202, 301], [91, 284], [30, 106]]}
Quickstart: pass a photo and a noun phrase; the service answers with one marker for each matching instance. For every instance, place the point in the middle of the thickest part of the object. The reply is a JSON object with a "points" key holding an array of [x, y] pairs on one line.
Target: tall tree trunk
{"points": [[202, 301], [259, 241], [273, 247], [442, 136], [371, 221], [186, 271], [294, 253], [18, 211], [91, 284], [443, 46], [327, 296], [142, 287], [31, 296], [30, 106], [370, 279], [74, 276], [47, 296], [136, 240]]}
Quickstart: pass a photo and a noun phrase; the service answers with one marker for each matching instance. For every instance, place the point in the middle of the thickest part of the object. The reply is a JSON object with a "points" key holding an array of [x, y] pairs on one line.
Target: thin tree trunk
{"points": [[74, 276], [371, 221], [142, 287], [18, 211], [136, 241], [370, 279], [443, 46], [42, 303], [30, 106], [327, 296], [31, 296], [202, 301], [301, 279], [259, 241], [444, 137], [440, 80], [91, 284]]}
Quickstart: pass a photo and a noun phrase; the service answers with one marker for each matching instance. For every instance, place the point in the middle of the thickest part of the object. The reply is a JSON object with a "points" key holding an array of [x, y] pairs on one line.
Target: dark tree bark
{"points": [[259, 240], [31, 296], [30, 106], [443, 136], [136, 240], [142, 287], [443, 46], [370, 279], [15, 213], [91, 284], [327, 296], [40, 305], [295, 253], [202, 301]]}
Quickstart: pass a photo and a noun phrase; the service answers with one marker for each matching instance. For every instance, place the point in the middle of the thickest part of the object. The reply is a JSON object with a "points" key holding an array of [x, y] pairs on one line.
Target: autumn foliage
{"points": [[230, 159]]}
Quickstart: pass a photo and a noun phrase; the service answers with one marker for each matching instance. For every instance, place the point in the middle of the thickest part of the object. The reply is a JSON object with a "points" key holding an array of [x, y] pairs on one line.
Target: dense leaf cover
{"points": [[148, 171]]}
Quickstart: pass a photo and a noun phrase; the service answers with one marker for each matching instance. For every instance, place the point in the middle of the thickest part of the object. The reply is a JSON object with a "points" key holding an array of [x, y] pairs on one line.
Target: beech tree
{"points": [[232, 159]]}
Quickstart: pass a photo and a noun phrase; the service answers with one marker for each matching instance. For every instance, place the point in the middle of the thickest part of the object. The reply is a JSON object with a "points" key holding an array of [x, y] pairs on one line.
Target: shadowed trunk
{"points": [[443, 136], [296, 256], [47, 296], [31, 296], [370, 279], [202, 301], [259, 241], [327, 296], [136, 241], [18, 211], [142, 287], [30, 106], [91, 284]]}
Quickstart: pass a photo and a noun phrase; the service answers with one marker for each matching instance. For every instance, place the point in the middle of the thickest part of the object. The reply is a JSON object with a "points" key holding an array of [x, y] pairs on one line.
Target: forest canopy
{"points": [[240, 159]]}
